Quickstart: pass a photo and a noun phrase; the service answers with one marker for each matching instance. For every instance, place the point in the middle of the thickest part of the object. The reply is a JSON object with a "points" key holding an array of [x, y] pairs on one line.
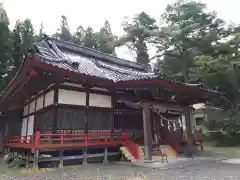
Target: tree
{"points": [[27, 34], [5, 49], [138, 33], [190, 32], [23, 37], [17, 46], [40, 35], [102, 40], [89, 39], [105, 39], [221, 70], [63, 32], [79, 35]]}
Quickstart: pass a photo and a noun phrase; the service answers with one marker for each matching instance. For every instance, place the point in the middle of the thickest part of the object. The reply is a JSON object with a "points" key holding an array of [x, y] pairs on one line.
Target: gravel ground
{"points": [[204, 171]]}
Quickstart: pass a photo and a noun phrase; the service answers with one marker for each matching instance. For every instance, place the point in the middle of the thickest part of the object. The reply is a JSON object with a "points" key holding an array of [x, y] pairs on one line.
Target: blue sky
{"points": [[94, 12]]}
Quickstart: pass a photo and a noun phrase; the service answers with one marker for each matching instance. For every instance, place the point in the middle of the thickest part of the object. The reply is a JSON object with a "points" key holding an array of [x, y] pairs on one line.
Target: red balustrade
{"points": [[64, 140], [47, 140], [132, 147]]}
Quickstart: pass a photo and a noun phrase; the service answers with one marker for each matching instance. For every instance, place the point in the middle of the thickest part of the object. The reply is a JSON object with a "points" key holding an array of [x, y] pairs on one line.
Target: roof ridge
{"points": [[95, 53]]}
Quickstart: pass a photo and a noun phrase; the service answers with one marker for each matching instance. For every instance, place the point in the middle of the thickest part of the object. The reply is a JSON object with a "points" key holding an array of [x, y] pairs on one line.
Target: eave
{"points": [[188, 94]]}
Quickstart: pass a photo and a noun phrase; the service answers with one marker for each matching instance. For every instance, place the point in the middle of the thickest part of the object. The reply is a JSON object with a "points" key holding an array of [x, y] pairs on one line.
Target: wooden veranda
{"points": [[60, 141]]}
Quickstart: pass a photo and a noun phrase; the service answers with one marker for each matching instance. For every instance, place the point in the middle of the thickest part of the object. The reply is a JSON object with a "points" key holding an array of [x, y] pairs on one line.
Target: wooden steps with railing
{"points": [[128, 155], [168, 150], [159, 153]]}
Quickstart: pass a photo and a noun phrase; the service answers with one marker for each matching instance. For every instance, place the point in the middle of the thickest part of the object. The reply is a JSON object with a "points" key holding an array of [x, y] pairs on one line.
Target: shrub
{"points": [[225, 139]]}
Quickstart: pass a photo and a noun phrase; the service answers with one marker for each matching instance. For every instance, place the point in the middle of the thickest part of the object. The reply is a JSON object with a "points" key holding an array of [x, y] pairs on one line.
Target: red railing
{"points": [[132, 147], [63, 140], [44, 140], [19, 141]]}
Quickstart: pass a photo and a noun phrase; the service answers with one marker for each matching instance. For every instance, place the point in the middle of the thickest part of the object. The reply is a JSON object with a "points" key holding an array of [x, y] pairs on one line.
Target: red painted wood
{"points": [[37, 139], [62, 140]]}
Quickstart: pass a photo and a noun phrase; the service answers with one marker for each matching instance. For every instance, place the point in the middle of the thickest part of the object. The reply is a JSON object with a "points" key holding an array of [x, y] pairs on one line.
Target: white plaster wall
{"points": [[71, 97], [24, 127], [30, 125], [98, 100], [49, 97], [25, 110], [39, 104], [32, 106]]}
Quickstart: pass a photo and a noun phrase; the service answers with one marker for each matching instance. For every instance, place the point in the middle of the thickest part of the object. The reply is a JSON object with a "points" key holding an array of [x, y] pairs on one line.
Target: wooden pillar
{"points": [[55, 115], [87, 110], [36, 158], [27, 159], [61, 158], [36, 149], [85, 155], [105, 161], [187, 114], [147, 133]]}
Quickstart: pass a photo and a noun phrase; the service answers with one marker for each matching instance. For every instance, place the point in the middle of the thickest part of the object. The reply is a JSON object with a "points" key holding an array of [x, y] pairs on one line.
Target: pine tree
{"points": [[89, 39], [105, 39], [23, 37], [5, 49], [40, 35], [79, 35], [17, 51], [138, 33], [190, 32], [63, 32]]}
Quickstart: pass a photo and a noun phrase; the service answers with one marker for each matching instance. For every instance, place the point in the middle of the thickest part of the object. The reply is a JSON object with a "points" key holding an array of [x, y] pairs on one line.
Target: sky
{"points": [[94, 12]]}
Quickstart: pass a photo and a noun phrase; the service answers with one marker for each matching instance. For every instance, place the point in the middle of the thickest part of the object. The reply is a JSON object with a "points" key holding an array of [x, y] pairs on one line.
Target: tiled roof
{"points": [[94, 63], [89, 62]]}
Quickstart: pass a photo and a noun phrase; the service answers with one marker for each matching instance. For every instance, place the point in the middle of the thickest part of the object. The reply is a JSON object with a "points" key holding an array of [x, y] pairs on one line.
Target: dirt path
{"points": [[213, 170]]}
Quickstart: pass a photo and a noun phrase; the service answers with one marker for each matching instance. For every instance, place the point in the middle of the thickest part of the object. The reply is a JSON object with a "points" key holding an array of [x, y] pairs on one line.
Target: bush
{"points": [[225, 139]]}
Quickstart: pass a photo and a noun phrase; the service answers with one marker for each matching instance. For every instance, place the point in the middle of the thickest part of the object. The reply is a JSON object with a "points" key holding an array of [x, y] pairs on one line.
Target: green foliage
{"points": [[63, 32], [134, 137], [105, 39], [5, 55], [9, 159], [190, 32], [138, 33], [223, 139], [101, 40], [233, 124], [23, 36]]}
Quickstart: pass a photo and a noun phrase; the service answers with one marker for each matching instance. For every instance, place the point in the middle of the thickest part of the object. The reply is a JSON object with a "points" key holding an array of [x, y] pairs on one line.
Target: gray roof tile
{"points": [[104, 66]]}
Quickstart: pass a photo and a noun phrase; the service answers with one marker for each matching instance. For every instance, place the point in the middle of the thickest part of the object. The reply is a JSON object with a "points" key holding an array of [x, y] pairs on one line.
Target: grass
{"points": [[14, 171], [229, 150], [5, 170]]}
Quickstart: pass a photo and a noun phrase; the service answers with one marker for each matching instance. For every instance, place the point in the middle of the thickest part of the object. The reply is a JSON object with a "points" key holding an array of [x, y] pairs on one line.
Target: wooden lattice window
{"points": [[71, 119], [44, 120], [128, 119], [99, 119]]}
